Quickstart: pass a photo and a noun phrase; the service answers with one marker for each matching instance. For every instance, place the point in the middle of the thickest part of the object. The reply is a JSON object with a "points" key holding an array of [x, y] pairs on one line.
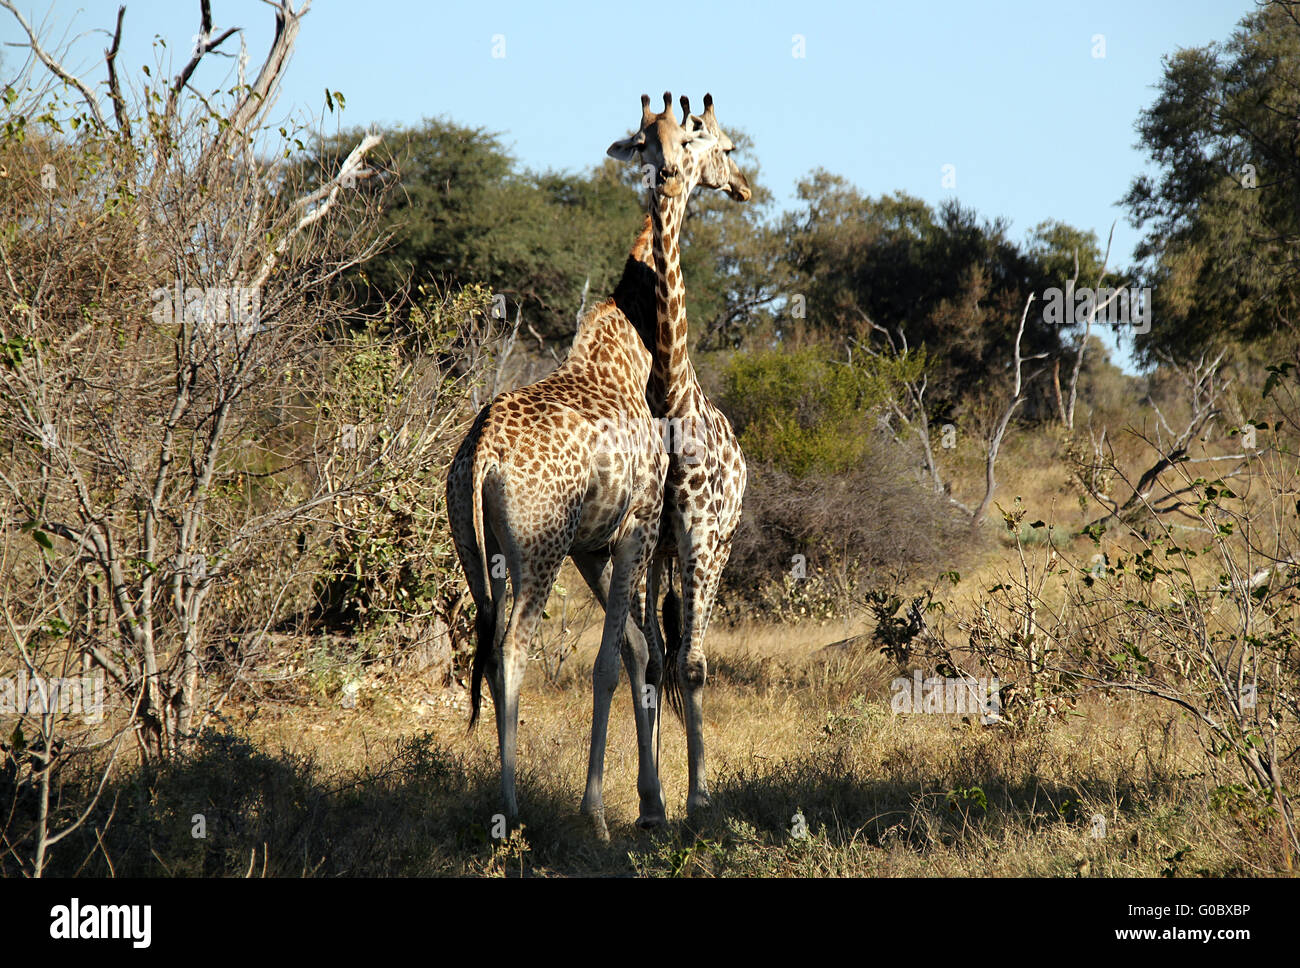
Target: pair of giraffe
{"points": [[576, 465]]}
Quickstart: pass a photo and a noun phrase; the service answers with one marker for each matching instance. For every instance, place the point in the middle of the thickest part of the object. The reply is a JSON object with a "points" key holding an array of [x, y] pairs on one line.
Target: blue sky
{"points": [[886, 94]]}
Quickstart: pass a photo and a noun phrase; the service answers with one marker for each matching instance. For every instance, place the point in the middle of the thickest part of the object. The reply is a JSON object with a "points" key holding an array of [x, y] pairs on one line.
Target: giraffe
{"points": [[571, 465], [707, 473]]}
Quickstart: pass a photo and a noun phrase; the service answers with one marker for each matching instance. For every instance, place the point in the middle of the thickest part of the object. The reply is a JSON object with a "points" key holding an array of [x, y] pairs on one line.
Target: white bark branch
{"points": [[1017, 398], [352, 167]]}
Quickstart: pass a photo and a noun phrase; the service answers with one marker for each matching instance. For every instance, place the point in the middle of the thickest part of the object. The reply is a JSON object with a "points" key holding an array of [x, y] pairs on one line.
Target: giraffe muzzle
{"points": [[670, 181]]}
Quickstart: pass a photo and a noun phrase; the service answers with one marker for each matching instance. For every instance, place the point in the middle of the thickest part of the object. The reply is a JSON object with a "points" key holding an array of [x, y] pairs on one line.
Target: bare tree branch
{"points": [[55, 67], [351, 169], [1087, 330], [1017, 398], [205, 43], [114, 89]]}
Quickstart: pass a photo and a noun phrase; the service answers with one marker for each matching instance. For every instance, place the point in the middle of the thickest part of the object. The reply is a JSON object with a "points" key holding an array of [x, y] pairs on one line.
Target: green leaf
{"points": [[57, 627], [1275, 376]]}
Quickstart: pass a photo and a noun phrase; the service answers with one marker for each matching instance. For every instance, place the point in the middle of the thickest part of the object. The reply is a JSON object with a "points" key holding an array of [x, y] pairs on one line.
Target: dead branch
{"points": [[351, 169], [1017, 398], [1204, 394], [114, 88], [1087, 330], [55, 67], [258, 98], [204, 45]]}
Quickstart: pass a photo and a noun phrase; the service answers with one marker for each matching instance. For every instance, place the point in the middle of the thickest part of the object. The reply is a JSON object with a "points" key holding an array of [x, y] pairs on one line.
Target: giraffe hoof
{"points": [[698, 803], [653, 813], [598, 827]]}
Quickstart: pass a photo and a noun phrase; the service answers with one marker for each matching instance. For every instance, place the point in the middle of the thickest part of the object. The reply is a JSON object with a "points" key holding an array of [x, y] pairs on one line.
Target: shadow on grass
{"points": [[228, 808], [429, 812]]}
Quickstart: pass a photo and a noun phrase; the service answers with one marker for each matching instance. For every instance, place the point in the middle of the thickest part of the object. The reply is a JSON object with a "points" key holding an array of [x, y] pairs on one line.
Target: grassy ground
{"points": [[383, 779], [395, 786]]}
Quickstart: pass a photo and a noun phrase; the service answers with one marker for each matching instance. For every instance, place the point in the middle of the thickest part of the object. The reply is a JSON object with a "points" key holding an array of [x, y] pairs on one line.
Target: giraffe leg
{"points": [[655, 644], [699, 567], [533, 567], [645, 703], [595, 570], [705, 594], [628, 559], [645, 675], [492, 622], [525, 616]]}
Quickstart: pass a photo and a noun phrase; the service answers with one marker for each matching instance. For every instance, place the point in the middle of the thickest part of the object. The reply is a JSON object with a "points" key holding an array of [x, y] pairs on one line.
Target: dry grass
{"points": [[297, 785], [396, 786]]}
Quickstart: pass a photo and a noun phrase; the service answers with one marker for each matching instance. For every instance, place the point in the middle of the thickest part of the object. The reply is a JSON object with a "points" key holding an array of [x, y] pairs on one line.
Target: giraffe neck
{"points": [[672, 363], [635, 297]]}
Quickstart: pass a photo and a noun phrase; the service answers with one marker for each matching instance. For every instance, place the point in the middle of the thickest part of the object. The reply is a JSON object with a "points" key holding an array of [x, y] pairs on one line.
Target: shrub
{"points": [[846, 527], [802, 411]]}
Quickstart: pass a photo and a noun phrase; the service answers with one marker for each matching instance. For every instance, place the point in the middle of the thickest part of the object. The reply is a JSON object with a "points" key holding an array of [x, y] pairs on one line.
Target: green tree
{"points": [[465, 212], [1054, 246], [1221, 214], [805, 412], [952, 282]]}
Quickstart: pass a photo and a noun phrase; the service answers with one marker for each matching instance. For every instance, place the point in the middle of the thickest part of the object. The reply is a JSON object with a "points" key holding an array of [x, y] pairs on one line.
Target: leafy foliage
{"points": [[1220, 213], [462, 210], [803, 411], [950, 281]]}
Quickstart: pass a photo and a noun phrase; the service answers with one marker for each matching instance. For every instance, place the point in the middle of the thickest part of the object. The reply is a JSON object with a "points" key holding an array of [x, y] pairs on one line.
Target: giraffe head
{"points": [[683, 156]]}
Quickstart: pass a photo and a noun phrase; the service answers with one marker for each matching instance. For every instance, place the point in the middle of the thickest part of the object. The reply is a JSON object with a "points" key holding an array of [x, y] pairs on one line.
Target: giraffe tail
{"points": [[486, 620], [672, 628]]}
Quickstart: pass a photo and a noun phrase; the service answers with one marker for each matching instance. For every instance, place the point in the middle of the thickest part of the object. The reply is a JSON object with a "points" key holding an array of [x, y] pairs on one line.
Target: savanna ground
{"points": [[396, 787], [342, 767], [221, 496]]}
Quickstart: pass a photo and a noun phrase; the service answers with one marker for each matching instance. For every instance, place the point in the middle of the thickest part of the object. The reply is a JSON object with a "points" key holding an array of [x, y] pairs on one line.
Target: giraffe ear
{"points": [[700, 139], [629, 148]]}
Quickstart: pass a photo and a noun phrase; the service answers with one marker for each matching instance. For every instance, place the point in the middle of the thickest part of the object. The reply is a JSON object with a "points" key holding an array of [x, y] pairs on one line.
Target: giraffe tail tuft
{"points": [[485, 623], [672, 628]]}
